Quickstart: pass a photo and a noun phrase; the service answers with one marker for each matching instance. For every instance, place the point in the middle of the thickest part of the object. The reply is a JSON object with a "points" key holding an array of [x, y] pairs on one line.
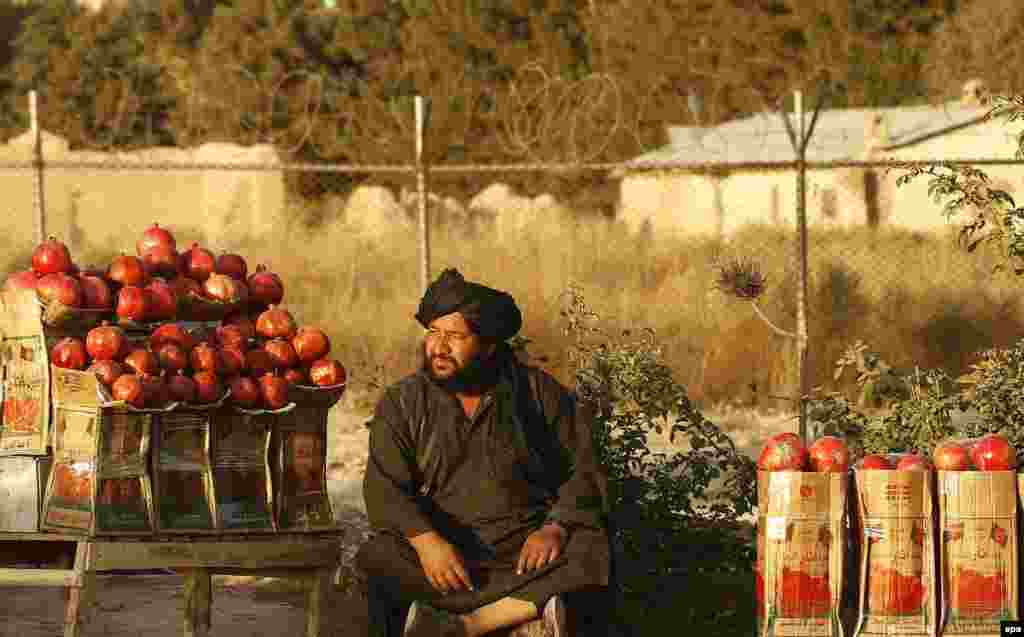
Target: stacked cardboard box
{"points": [[99, 483], [801, 537], [979, 554], [898, 578]]}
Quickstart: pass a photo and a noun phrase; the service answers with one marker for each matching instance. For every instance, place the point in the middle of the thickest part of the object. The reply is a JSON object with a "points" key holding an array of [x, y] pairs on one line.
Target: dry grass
{"points": [[916, 299]]}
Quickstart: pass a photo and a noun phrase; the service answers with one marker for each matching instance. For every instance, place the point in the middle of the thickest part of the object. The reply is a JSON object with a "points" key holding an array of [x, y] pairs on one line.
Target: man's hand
{"points": [[442, 563], [542, 547]]}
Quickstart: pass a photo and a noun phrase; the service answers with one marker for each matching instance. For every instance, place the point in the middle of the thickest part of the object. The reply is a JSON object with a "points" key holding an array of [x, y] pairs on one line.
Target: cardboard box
{"points": [[898, 574], [299, 463], [979, 554], [182, 480], [801, 553], [25, 391], [22, 485], [97, 441], [241, 472]]}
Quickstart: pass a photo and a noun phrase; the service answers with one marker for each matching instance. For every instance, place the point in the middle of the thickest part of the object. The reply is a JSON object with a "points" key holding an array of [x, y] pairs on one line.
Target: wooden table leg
{"points": [[198, 598], [317, 588], [80, 598]]}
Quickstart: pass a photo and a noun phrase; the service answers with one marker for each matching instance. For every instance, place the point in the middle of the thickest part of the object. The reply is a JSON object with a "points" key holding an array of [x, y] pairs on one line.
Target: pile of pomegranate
{"points": [[151, 286], [258, 350], [786, 452]]}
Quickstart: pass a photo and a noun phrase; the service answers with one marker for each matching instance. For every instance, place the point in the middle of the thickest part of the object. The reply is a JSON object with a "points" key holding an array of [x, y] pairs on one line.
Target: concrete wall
{"points": [[112, 206], [683, 204]]}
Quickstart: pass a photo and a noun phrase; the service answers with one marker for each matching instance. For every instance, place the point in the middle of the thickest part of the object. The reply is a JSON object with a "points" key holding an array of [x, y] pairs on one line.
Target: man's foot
{"points": [[426, 621], [553, 617], [551, 623]]}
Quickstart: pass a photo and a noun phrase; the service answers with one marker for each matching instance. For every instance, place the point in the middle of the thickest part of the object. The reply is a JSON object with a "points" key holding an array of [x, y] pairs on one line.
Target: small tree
{"points": [[674, 516]]}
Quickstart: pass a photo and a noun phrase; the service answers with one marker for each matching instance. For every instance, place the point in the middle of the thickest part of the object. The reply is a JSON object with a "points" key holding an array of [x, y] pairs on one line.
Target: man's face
{"points": [[453, 354]]}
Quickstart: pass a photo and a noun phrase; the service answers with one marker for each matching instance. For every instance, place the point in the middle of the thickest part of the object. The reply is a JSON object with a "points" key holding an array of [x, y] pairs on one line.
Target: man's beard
{"points": [[476, 377]]}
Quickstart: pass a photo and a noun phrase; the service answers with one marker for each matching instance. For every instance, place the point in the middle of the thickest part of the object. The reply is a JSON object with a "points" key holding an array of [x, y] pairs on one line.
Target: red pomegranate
{"points": [[51, 257], [62, 288], [295, 376], [163, 302], [232, 360], [326, 372], [232, 265], [127, 270], [133, 303], [951, 456], [96, 293], [276, 322], [69, 353], [913, 462], [282, 354], [310, 344], [181, 388], [224, 289], [829, 454], [171, 333], [273, 391], [105, 342], [232, 336], [197, 263], [208, 387], [155, 391], [184, 286], [265, 287], [994, 452], [142, 362], [258, 362], [128, 388], [161, 261], [155, 236], [171, 357], [875, 462], [24, 280], [107, 371], [205, 357], [244, 391], [782, 452], [242, 322]]}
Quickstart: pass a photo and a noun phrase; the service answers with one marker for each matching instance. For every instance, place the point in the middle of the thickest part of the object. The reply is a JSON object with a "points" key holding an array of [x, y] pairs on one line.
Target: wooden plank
{"points": [[79, 607], [197, 602], [262, 572], [269, 553], [318, 587], [40, 537], [10, 577]]}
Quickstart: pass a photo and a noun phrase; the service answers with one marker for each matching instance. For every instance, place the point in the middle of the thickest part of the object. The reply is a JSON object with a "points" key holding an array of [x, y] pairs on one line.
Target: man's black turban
{"points": [[492, 314]]}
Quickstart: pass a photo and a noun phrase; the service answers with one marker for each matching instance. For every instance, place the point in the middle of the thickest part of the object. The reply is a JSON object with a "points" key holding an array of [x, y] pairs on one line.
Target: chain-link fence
{"points": [[642, 239]]}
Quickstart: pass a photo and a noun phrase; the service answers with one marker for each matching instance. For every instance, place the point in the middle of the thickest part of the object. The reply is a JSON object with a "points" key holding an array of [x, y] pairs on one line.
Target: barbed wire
{"points": [[564, 167]]}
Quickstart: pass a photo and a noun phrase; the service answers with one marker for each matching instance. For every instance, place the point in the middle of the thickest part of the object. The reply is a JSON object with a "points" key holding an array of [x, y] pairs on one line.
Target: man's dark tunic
{"points": [[473, 481]]}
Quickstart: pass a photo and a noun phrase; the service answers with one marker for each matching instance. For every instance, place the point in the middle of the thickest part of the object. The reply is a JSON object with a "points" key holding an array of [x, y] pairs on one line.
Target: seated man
{"points": [[481, 486]]}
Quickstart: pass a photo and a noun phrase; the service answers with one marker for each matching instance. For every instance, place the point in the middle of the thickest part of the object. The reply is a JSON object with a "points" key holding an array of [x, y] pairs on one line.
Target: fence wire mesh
{"points": [[644, 242]]}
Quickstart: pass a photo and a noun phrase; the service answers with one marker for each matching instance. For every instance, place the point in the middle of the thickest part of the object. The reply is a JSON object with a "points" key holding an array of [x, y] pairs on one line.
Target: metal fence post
{"points": [[799, 139], [421, 187], [38, 193], [801, 291]]}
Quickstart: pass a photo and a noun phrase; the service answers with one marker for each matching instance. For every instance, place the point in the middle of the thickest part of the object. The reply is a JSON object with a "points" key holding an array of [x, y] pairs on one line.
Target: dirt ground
{"points": [[151, 605]]}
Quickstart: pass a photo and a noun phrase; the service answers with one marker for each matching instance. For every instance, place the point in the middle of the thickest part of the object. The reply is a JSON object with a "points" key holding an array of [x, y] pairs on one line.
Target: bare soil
{"points": [[151, 604]]}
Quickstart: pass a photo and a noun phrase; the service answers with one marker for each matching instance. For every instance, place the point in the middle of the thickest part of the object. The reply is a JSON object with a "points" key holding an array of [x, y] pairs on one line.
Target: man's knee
{"points": [[377, 555]]}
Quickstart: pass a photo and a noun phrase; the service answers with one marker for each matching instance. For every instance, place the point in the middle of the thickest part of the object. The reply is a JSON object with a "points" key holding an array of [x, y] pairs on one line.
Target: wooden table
{"points": [[311, 557]]}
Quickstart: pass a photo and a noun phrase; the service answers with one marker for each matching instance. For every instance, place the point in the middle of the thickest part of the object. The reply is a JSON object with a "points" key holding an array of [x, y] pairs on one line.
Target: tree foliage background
{"points": [[509, 80]]}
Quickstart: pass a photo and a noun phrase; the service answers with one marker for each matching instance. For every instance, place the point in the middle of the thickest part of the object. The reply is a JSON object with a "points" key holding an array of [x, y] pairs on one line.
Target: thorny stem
{"points": [[777, 330]]}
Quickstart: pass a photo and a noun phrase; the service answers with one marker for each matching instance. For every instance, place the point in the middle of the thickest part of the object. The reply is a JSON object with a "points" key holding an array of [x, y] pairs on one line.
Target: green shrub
{"points": [[673, 517]]}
